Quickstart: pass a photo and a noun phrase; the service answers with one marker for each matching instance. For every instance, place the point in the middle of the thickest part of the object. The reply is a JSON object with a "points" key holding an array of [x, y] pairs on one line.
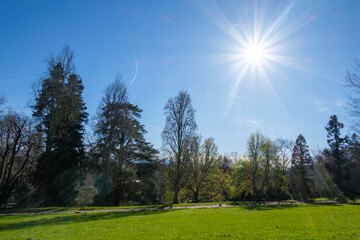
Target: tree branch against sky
{"points": [[353, 84]]}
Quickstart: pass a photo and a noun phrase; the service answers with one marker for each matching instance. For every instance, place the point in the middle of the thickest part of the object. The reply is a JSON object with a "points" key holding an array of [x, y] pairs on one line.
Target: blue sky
{"points": [[198, 46]]}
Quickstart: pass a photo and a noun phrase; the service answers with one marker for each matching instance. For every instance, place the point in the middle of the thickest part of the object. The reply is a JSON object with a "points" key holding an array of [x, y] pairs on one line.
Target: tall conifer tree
{"points": [[61, 113], [127, 160], [301, 165]]}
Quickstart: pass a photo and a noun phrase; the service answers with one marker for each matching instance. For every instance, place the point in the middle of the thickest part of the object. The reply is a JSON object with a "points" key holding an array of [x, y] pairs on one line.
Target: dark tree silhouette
{"points": [[353, 156], [336, 161], [301, 164], [61, 113], [127, 161], [19, 145]]}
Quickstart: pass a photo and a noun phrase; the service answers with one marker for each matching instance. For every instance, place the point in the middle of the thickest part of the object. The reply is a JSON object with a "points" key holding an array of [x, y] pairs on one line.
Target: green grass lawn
{"points": [[63, 209], [276, 222]]}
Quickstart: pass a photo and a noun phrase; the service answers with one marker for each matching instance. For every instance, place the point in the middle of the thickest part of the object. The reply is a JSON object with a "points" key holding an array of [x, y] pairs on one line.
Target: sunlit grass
{"points": [[320, 199], [267, 222]]}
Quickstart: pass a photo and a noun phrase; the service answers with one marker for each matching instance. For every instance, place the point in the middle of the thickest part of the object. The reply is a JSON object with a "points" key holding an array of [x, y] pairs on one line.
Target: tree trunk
{"points": [[176, 195], [196, 196], [116, 200]]}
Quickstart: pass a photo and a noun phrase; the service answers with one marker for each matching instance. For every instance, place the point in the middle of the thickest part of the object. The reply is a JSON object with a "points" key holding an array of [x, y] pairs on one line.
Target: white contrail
{"points": [[133, 52], [136, 64]]}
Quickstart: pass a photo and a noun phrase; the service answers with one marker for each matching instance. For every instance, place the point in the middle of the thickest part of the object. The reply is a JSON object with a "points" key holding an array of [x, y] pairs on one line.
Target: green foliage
{"points": [[262, 173], [203, 180], [242, 179]]}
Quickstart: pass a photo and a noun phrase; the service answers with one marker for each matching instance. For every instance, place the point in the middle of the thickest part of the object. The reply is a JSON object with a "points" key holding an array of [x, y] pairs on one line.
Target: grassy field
{"points": [[64, 209], [266, 222]]}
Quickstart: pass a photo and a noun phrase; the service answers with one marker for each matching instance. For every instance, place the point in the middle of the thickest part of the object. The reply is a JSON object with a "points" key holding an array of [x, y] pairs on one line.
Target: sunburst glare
{"points": [[261, 34], [255, 53]]}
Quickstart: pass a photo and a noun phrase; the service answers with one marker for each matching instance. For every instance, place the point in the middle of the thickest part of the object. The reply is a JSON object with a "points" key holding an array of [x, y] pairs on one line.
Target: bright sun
{"points": [[255, 53]]}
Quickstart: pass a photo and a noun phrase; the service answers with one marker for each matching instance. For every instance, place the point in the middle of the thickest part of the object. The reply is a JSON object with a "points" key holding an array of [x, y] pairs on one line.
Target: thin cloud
{"points": [[326, 105], [252, 122], [322, 109]]}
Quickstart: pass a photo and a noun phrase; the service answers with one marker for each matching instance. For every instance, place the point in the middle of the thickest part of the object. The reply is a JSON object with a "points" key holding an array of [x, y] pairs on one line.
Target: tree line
{"points": [[48, 159]]}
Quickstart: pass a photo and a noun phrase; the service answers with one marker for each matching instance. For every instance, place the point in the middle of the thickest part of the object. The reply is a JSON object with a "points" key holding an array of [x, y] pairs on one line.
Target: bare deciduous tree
{"points": [[353, 83], [2, 100], [19, 145], [282, 165], [285, 149], [179, 131]]}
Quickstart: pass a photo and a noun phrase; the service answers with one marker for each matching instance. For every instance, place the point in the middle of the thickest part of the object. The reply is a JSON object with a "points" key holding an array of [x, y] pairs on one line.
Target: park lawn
{"points": [[64, 209], [266, 222]]}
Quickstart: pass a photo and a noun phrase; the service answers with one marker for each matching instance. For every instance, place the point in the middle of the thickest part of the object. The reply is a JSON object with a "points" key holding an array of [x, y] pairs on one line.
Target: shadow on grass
{"points": [[271, 207], [286, 206], [354, 203], [234, 203], [34, 210], [325, 204], [72, 218], [51, 210]]}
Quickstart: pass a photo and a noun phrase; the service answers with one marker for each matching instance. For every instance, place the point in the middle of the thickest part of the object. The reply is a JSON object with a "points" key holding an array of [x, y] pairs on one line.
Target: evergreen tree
{"points": [[61, 114], [353, 156], [335, 160], [301, 164], [127, 161]]}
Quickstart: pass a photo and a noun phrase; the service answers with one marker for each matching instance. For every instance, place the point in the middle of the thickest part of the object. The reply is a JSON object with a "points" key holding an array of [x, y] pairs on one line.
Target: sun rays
{"points": [[260, 36], [261, 47]]}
